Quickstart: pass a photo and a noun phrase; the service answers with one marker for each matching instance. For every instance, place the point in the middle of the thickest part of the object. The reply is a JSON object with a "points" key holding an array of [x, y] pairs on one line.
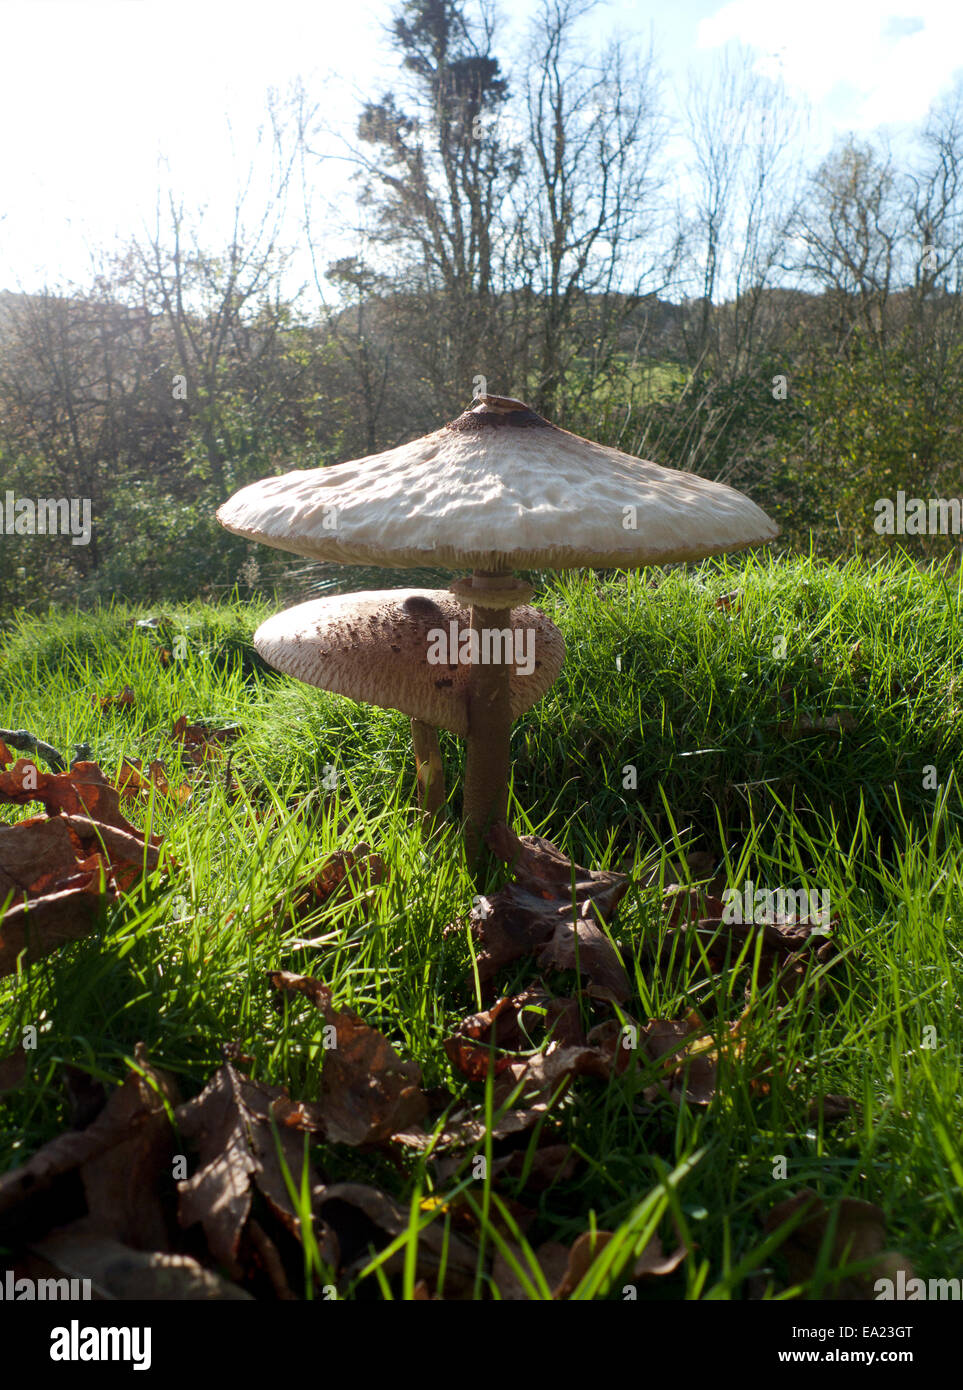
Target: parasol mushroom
{"points": [[398, 649], [496, 490]]}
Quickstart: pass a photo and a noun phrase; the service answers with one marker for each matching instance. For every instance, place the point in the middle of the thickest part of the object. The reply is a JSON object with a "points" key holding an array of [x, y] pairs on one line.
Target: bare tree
{"points": [[434, 171], [851, 235], [934, 198], [742, 131], [589, 205]]}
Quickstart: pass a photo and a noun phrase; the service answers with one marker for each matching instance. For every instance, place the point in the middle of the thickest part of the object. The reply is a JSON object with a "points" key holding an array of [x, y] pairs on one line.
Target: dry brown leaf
{"points": [[689, 1056], [367, 1091], [830, 1109], [125, 699], [507, 1027], [859, 1234], [124, 1183], [730, 603], [366, 1219], [13, 1070], [59, 871], [547, 1074], [345, 876], [201, 741], [563, 1267], [535, 913], [655, 1263], [465, 1128], [230, 1123], [549, 1164], [118, 1195], [132, 782], [116, 1271], [30, 931], [582, 1256], [85, 1095], [38, 855], [696, 923], [82, 791]]}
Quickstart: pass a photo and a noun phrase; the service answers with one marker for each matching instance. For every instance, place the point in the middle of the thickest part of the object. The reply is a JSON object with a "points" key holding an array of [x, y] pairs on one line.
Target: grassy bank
{"points": [[796, 723]]}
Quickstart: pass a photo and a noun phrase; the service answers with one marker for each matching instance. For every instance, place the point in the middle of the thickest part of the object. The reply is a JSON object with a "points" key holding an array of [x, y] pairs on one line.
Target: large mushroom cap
{"points": [[497, 489], [374, 647]]}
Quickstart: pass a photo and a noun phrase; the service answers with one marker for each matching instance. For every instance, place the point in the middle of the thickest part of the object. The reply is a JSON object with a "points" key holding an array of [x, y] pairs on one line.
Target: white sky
{"points": [[104, 101], [862, 63]]}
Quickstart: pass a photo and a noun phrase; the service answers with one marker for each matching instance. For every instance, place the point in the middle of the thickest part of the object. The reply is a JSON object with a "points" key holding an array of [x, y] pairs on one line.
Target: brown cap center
{"points": [[494, 412]]}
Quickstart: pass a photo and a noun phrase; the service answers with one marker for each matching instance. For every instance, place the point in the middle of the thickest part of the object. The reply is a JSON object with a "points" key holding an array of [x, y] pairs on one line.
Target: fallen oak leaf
{"points": [[126, 1185], [467, 1128], [30, 931], [685, 906], [13, 1070], [583, 1254], [562, 1267], [340, 881], [702, 922], [565, 1268], [730, 603], [551, 1259], [367, 1091], [540, 911], [581, 945], [269, 1258], [128, 854], [133, 1118], [37, 856], [689, 1056], [125, 699], [852, 1230], [85, 1096], [83, 790], [366, 1219], [231, 1124], [202, 741], [655, 1263], [542, 1078], [42, 855], [345, 876], [132, 783], [117, 1271], [501, 1028], [690, 1069], [540, 1169], [199, 733], [830, 1109]]}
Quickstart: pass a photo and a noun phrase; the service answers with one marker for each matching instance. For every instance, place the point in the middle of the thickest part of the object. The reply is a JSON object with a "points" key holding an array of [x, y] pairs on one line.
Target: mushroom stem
{"points": [[488, 756], [429, 770]]}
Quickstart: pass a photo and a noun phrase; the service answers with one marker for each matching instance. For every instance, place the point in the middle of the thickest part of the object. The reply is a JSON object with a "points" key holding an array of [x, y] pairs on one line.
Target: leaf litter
{"points": [[101, 1198]]}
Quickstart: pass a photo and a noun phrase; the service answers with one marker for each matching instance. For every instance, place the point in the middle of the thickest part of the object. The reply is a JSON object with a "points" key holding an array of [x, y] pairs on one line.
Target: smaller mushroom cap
{"points": [[382, 647]]}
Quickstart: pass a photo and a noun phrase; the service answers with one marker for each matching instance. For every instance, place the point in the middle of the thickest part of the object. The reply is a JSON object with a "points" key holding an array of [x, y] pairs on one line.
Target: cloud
{"points": [[862, 63]]}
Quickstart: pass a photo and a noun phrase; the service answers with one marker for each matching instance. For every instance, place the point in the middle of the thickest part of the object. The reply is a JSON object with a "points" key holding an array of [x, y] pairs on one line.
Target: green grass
{"points": [[659, 678]]}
